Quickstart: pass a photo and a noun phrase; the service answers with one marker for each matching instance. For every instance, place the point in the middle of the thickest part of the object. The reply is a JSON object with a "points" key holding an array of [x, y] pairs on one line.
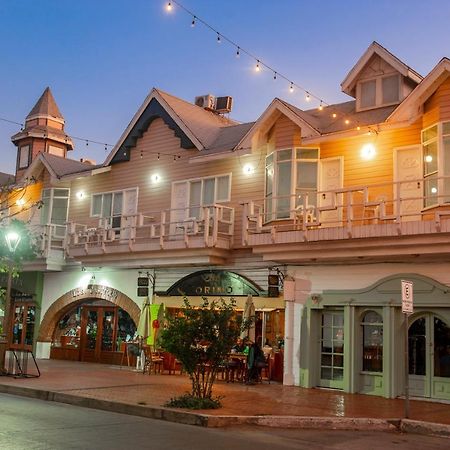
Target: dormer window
{"points": [[378, 92]]}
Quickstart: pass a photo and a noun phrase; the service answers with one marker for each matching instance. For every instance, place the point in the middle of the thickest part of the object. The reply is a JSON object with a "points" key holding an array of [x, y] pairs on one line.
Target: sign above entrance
{"points": [[407, 297], [213, 283]]}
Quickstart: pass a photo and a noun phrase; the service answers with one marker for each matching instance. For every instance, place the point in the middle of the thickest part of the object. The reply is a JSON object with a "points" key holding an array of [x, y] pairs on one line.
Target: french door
{"points": [[98, 334], [429, 357], [332, 350]]}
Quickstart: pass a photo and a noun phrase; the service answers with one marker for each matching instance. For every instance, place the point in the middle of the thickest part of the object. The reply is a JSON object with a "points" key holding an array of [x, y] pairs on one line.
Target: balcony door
{"points": [[408, 171]]}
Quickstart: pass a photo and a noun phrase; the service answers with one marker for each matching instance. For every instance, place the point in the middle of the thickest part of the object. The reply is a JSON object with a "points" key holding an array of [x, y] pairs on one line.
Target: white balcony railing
{"points": [[194, 227], [50, 239], [357, 211]]}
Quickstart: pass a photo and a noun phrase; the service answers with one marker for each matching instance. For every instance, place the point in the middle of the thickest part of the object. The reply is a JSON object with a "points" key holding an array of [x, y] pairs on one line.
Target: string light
{"points": [[169, 6], [308, 95], [193, 21]]}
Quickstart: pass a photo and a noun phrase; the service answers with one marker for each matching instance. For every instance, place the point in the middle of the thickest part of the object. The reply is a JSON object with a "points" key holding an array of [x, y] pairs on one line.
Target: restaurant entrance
{"points": [[94, 331]]}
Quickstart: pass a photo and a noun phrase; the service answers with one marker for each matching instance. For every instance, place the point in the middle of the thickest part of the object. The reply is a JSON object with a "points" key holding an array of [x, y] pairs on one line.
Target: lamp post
{"points": [[12, 241]]}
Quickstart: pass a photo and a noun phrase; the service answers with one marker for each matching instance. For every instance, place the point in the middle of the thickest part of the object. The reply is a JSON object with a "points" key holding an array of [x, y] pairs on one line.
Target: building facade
{"points": [[318, 214]]}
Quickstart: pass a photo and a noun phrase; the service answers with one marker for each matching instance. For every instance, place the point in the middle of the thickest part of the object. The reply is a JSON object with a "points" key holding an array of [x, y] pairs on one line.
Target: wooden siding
{"points": [[156, 197], [286, 133]]}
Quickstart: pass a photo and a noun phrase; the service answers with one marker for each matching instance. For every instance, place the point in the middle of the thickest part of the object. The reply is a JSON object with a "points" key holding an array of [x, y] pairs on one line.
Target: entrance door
{"points": [[408, 167], [98, 334], [429, 357], [332, 350]]}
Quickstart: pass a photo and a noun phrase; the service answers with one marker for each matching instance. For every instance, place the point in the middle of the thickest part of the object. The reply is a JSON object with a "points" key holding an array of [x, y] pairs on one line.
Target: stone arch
{"points": [[76, 296]]}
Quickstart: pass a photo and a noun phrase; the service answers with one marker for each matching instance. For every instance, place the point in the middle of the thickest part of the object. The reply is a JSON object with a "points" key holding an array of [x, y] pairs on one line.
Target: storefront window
{"points": [[372, 324]]}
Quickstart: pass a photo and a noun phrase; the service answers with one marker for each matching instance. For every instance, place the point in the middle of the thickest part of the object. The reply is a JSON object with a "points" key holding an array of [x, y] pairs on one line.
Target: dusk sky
{"points": [[101, 58]]}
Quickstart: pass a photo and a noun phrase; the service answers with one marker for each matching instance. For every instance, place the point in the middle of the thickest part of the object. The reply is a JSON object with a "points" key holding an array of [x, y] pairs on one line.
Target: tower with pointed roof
{"points": [[43, 133]]}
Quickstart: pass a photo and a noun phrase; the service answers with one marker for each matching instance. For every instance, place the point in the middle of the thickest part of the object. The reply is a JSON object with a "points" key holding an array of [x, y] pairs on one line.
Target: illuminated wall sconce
{"points": [[248, 169], [80, 195], [368, 151], [434, 190], [155, 178], [428, 158], [20, 202]]}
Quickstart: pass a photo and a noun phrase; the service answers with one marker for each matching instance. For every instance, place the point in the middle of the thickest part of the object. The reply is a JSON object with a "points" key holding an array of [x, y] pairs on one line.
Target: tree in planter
{"points": [[201, 338]]}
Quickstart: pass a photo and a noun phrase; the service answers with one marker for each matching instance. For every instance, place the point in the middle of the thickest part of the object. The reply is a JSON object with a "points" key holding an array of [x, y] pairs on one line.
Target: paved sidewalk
{"points": [[85, 384]]}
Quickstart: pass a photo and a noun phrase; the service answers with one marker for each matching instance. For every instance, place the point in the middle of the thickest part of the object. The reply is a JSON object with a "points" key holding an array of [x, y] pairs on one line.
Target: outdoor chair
{"points": [[153, 361]]}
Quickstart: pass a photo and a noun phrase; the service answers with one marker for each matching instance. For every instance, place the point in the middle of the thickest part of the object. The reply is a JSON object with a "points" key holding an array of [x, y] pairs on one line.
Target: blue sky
{"points": [[101, 58]]}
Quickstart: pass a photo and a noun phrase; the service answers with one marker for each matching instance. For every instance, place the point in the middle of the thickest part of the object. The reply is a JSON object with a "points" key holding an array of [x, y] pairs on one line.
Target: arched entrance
{"points": [[429, 357], [89, 324]]}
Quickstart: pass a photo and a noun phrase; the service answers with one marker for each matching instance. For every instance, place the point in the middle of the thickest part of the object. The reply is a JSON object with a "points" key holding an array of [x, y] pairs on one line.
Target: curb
{"points": [[212, 421]]}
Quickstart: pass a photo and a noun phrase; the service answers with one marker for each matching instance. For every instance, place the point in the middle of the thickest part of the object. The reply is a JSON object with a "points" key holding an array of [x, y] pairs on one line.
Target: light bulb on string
{"points": [[291, 87], [274, 75], [307, 97], [218, 38], [321, 106], [87, 143], [106, 147], [193, 21], [169, 6], [238, 52], [257, 67]]}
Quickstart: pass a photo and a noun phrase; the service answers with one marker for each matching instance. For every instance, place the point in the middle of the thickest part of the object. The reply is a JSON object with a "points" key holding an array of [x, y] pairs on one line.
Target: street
{"points": [[37, 425]]}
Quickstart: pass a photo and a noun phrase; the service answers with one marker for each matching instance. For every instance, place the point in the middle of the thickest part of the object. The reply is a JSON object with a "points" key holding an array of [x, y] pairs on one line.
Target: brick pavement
{"points": [[111, 383]]}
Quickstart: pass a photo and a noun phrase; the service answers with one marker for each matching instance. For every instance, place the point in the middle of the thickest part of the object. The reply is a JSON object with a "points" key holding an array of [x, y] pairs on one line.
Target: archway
{"points": [[76, 296]]}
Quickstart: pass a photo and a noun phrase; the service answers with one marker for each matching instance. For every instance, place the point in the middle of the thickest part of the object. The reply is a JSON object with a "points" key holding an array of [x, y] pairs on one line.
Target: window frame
{"points": [[378, 92], [364, 324], [19, 156], [119, 191], [294, 176]]}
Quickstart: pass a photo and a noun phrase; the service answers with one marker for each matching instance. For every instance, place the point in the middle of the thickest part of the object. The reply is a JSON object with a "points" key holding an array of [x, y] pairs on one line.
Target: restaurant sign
{"points": [[95, 291], [213, 283]]}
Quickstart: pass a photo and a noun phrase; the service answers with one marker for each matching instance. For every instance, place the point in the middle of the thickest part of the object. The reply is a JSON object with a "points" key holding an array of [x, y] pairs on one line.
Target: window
{"points": [[24, 156], [368, 94], [58, 151], [372, 327], [291, 179], [207, 191], [381, 91], [108, 206], [55, 209]]}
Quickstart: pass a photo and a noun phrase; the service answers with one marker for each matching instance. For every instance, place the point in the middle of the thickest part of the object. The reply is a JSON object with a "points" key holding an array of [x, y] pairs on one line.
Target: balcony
{"points": [[195, 235], [50, 240], [373, 223]]}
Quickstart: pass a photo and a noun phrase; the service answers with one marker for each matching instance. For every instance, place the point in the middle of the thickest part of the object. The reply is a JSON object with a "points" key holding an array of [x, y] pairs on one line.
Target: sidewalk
{"points": [[124, 390]]}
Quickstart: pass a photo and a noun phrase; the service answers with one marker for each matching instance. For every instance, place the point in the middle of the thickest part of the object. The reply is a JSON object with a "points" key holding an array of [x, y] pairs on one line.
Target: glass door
{"points": [[24, 318], [98, 334], [332, 350], [429, 357]]}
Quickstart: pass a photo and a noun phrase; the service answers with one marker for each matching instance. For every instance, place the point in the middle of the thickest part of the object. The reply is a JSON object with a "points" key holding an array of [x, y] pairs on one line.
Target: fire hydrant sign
{"points": [[407, 297]]}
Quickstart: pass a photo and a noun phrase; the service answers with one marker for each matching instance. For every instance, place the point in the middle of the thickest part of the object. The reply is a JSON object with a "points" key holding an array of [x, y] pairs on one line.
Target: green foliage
{"points": [[188, 401], [201, 339]]}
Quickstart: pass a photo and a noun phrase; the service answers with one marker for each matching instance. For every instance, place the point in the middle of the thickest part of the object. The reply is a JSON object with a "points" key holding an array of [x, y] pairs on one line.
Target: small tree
{"points": [[201, 338]]}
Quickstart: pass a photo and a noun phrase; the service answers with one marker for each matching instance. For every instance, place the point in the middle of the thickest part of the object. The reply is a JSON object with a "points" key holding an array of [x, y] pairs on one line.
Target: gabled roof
{"points": [[6, 179], [57, 166], [376, 49], [410, 108], [195, 126], [46, 106]]}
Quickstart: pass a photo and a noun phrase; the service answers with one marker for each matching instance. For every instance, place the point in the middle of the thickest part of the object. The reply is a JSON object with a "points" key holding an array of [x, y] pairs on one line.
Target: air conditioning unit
{"points": [[206, 101], [224, 104]]}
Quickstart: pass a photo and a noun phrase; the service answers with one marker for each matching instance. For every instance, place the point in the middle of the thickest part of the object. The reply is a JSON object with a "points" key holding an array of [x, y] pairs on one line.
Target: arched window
{"points": [[372, 325]]}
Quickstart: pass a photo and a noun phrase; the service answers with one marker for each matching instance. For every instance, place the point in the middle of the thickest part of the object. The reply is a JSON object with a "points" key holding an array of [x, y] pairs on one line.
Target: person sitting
{"points": [[255, 361], [239, 346]]}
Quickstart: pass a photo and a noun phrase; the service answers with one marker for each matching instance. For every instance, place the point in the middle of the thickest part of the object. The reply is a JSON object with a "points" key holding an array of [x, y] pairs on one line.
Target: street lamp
{"points": [[12, 239]]}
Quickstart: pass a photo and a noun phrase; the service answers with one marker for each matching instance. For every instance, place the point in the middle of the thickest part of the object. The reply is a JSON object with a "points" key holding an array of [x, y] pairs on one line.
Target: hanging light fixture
{"points": [[257, 67], [169, 6]]}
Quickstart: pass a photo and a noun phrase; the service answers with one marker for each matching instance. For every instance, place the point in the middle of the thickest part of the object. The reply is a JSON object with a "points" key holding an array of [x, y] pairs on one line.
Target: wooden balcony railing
{"points": [[376, 210], [193, 227]]}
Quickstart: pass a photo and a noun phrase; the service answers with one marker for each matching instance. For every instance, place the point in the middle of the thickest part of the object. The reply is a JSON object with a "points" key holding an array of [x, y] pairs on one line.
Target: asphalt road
{"points": [[37, 425]]}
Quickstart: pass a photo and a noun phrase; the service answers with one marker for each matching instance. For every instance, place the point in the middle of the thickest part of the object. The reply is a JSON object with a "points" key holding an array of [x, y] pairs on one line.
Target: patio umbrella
{"points": [[249, 314], [144, 329]]}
